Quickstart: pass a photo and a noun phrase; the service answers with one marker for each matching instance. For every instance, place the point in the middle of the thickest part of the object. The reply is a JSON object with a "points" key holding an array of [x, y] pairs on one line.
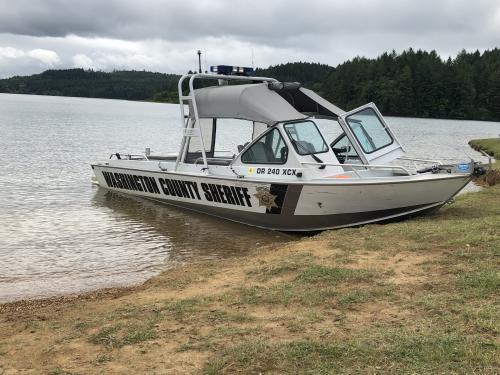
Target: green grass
{"points": [[394, 352], [354, 297], [491, 146], [118, 335], [284, 267], [313, 285], [183, 309], [333, 275], [107, 336], [137, 334], [103, 358], [484, 283], [221, 316]]}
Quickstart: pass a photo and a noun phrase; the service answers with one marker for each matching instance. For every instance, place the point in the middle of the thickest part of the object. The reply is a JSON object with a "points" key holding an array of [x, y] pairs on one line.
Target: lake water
{"points": [[61, 234]]}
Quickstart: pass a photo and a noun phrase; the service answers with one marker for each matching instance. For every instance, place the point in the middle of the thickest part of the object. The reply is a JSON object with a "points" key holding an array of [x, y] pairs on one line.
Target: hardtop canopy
{"points": [[253, 102]]}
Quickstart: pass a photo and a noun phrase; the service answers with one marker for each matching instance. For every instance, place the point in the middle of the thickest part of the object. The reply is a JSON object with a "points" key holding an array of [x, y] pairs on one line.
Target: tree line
{"points": [[421, 84], [412, 83], [128, 85]]}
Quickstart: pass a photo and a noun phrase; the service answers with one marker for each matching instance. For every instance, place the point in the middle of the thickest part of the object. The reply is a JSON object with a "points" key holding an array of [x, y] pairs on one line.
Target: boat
{"points": [[254, 150]]}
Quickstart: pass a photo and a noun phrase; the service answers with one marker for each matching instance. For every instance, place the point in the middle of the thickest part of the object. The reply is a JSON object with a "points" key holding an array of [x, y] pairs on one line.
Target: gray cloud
{"points": [[162, 35]]}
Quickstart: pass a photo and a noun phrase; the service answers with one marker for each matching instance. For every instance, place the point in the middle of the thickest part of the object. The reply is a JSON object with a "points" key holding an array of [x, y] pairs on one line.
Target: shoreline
{"points": [[417, 296], [177, 103]]}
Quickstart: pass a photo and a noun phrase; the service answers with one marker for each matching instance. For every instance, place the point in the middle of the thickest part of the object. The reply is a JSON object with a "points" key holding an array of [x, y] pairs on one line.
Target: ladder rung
{"points": [[186, 97]]}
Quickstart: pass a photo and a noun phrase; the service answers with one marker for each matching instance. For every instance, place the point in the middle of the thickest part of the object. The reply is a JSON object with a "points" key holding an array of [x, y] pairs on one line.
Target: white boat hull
{"points": [[288, 206]]}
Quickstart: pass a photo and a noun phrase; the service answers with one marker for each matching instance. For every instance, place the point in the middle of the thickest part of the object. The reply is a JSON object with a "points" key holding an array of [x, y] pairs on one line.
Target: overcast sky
{"points": [[163, 35]]}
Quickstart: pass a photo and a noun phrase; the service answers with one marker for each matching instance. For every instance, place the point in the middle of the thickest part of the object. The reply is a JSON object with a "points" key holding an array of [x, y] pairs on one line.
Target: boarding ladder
{"points": [[188, 122]]}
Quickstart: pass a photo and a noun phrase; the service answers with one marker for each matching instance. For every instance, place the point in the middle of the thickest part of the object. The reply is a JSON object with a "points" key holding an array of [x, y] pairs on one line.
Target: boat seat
{"points": [[241, 147], [260, 153]]}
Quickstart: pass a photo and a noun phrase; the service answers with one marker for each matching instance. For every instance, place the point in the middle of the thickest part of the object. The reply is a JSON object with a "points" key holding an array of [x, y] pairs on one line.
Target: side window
{"points": [[269, 149]]}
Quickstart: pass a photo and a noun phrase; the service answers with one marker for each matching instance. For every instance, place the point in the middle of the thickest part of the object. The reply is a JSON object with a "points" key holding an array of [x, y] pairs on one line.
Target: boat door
{"points": [[376, 142]]}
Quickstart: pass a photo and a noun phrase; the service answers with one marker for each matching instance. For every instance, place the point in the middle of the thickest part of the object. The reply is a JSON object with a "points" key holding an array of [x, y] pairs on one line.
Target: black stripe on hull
{"points": [[307, 223], [279, 191]]}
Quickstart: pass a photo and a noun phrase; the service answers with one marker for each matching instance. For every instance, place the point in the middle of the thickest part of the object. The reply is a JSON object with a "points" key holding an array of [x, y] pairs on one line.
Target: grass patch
{"points": [[299, 289], [107, 336], [281, 293], [333, 275], [289, 265], [302, 321], [284, 294], [184, 308], [484, 283], [103, 358], [60, 371], [137, 334], [354, 297], [119, 335], [398, 352], [221, 316], [491, 146]]}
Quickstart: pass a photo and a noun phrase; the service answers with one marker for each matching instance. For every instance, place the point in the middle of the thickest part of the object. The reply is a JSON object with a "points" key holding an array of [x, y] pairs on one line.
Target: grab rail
{"points": [[128, 156], [221, 159], [422, 160], [368, 166]]}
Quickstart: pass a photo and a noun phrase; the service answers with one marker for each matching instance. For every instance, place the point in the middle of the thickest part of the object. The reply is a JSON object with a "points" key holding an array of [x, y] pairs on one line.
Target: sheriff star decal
{"points": [[265, 197]]}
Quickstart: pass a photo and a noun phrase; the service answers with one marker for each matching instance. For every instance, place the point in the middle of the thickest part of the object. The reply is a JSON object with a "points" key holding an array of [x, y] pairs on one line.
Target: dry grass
{"points": [[418, 296]]}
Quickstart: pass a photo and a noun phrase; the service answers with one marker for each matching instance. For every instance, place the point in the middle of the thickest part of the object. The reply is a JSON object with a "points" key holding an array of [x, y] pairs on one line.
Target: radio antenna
{"points": [[252, 59], [199, 61]]}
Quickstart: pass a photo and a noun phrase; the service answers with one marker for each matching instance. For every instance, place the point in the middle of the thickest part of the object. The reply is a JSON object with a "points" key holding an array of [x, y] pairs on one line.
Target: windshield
{"points": [[306, 138], [369, 130]]}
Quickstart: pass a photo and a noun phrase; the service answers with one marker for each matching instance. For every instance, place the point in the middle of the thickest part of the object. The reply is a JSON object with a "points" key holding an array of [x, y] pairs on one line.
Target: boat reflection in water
{"points": [[185, 235]]}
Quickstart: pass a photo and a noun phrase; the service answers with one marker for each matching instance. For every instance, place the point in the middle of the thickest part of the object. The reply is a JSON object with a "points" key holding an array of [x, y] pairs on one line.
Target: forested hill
{"points": [[130, 85], [413, 83], [421, 84], [311, 75]]}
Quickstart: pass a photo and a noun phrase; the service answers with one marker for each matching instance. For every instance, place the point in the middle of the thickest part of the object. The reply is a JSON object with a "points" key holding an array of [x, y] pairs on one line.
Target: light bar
{"points": [[232, 70]]}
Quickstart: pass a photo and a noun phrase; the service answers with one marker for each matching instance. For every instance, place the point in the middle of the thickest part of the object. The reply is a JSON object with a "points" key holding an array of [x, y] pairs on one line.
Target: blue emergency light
{"points": [[232, 70]]}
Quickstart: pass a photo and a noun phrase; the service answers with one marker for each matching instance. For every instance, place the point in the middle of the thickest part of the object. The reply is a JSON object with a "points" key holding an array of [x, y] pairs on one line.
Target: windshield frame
{"points": [[294, 142], [368, 136]]}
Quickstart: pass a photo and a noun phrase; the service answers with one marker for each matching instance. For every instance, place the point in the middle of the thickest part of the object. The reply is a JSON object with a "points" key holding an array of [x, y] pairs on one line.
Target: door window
{"points": [[269, 149]]}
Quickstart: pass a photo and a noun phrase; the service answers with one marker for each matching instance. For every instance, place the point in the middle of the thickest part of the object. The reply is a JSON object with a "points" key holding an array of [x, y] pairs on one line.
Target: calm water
{"points": [[61, 234]]}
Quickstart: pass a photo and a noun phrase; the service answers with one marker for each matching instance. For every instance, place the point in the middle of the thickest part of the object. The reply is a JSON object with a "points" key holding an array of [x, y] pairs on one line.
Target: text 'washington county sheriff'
{"points": [[234, 195]]}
